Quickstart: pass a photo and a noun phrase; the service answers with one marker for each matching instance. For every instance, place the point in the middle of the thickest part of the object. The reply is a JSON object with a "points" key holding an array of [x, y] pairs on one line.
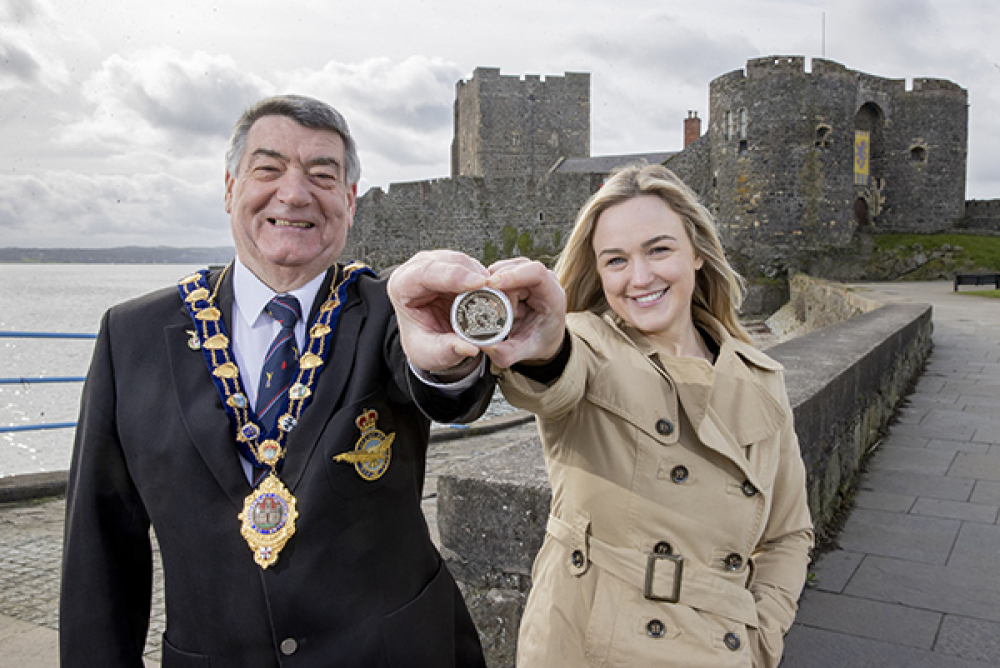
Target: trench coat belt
{"points": [[696, 585]]}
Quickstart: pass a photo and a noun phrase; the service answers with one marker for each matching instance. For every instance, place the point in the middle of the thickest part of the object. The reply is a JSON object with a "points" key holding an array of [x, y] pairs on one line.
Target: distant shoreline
{"points": [[120, 255]]}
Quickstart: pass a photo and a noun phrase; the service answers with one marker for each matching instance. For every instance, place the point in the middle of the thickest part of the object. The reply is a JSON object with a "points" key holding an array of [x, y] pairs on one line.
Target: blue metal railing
{"points": [[23, 380]]}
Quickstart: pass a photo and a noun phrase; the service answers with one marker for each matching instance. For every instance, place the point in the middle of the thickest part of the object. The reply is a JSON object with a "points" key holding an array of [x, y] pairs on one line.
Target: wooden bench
{"points": [[977, 279]]}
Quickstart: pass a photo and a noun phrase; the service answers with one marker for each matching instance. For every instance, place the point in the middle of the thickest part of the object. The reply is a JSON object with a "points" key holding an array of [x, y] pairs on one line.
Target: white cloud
{"points": [[105, 101], [68, 209], [27, 42], [161, 98], [401, 113]]}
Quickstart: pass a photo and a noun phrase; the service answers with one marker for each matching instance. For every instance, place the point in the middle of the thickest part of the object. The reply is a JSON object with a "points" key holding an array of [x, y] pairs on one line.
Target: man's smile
{"points": [[281, 222]]}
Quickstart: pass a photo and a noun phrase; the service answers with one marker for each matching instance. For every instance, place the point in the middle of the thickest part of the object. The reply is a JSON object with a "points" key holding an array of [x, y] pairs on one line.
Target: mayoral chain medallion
{"points": [[269, 511]]}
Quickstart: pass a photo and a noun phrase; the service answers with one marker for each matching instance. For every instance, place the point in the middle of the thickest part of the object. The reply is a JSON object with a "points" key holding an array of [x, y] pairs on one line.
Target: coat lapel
{"points": [[199, 404], [736, 412], [330, 387]]}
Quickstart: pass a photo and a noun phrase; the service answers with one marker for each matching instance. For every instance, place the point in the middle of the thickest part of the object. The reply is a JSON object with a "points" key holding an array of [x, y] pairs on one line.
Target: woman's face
{"points": [[647, 266]]}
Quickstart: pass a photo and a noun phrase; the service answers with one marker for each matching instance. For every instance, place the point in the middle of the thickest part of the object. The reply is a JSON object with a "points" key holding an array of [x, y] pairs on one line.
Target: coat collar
{"points": [[726, 403]]}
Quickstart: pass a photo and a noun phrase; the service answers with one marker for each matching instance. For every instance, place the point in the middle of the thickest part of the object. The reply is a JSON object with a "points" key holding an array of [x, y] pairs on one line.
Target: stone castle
{"points": [[793, 164]]}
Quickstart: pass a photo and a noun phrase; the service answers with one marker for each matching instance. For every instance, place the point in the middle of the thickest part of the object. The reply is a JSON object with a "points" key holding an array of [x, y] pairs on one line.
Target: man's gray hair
{"points": [[307, 112]]}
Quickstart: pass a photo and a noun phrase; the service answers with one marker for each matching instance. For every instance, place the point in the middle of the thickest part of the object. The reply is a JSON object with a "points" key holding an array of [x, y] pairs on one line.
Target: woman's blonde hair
{"points": [[718, 291]]}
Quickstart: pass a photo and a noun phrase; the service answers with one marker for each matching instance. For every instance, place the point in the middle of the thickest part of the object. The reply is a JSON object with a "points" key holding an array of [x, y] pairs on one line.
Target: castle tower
{"points": [[804, 158], [519, 126]]}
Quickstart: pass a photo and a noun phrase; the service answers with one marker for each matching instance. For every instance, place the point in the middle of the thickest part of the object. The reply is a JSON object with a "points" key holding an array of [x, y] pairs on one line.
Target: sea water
{"points": [[63, 298]]}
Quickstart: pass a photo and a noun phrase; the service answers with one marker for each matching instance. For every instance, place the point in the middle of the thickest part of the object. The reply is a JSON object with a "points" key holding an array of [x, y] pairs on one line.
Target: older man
{"points": [[265, 421]]}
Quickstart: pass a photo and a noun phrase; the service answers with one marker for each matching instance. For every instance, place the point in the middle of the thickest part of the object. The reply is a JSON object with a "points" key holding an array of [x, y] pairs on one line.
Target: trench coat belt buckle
{"points": [[692, 584], [675, 593]]}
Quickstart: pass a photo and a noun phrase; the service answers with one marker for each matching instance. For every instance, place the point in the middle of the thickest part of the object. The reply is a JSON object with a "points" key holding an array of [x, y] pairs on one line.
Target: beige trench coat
{"points": [[679, 531]]}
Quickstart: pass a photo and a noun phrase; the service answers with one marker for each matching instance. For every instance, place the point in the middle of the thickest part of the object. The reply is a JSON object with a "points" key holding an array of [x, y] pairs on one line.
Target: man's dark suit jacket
{"points": [[359, 584]]}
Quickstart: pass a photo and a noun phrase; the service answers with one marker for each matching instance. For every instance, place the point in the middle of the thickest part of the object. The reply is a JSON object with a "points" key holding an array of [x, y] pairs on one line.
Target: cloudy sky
{"points": [[114, 114]]}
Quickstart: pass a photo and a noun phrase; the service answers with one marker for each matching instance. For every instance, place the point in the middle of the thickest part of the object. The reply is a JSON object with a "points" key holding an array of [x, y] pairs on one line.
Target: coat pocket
{"points": [[177, 658], [422, 632]]}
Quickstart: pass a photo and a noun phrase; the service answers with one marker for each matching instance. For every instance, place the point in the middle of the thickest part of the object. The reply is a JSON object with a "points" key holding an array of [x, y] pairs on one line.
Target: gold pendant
{"points": [[268, 520]]}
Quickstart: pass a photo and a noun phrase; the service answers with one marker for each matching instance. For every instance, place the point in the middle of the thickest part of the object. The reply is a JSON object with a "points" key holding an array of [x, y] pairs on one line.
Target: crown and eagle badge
{"points": [[373, 451]]}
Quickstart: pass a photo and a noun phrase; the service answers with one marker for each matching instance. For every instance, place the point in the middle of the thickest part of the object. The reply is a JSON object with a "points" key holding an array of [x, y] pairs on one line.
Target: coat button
{"points": [[679, 474], [664, 427], [288, 646], [732, 641], [577, 559], [734, 562], [748, 488], [663, 547], [655, 628]]}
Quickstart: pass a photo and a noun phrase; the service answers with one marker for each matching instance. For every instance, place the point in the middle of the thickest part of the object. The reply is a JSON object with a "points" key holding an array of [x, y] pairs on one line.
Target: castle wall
{"points": [[982, 214], [776, 167], [487, 219]]}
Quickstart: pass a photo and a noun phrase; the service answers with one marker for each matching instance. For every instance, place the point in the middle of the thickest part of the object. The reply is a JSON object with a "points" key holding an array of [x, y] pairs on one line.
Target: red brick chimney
{"points": [[692, 128]]}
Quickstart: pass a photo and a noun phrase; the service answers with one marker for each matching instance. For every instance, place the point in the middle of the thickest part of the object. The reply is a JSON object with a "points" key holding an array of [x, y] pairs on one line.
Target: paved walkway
{"points": [[915, 583]]}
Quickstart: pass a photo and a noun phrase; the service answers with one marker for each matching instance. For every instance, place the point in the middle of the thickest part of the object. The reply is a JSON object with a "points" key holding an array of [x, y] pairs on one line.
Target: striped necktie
{"points": [[280, 363]]}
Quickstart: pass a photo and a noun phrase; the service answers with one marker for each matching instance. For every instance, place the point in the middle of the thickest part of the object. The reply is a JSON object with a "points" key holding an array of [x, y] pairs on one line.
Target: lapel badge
{"points": [[238, 400], [373, 450], [299, 391], [269, 452], [287, 422], [194, 343], [248, 432]]}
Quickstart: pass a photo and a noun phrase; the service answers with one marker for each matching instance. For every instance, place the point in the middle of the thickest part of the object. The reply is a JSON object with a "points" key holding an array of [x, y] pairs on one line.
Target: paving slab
{"points": [[926, 540], [890, 501], [877, 620], [986, 492], [929, 430], [977, 551], [978, 466], [969, 638], [918, 484], [927, 586], [932, 462], [27, 645], [833, 570], [807, 647], [956, 510], [958, 446]]}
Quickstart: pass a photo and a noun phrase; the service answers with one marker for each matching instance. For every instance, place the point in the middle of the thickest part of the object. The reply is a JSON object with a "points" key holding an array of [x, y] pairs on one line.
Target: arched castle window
{"points": [[742, 116], [918, 154], [823, 135], [729, 125]]}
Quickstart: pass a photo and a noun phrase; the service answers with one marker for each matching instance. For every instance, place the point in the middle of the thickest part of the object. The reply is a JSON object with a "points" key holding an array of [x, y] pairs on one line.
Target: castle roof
{"points": [[603, 164]]}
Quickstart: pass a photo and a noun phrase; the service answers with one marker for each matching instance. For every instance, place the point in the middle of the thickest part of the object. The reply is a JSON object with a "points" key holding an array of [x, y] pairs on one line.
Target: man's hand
{"points": [[539, 312], [422, 291]]}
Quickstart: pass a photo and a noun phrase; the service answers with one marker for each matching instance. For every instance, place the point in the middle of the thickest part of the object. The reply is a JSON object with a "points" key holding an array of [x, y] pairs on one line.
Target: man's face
{"points": [[289, 205]]}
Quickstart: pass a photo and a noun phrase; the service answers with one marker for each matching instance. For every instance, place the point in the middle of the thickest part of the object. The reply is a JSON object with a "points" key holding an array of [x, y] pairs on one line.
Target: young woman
{"points": [[679, 532]]}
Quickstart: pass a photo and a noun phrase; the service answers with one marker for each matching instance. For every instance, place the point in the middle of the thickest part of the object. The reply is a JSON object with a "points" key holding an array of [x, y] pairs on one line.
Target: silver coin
{"points": [[482, 317]]}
